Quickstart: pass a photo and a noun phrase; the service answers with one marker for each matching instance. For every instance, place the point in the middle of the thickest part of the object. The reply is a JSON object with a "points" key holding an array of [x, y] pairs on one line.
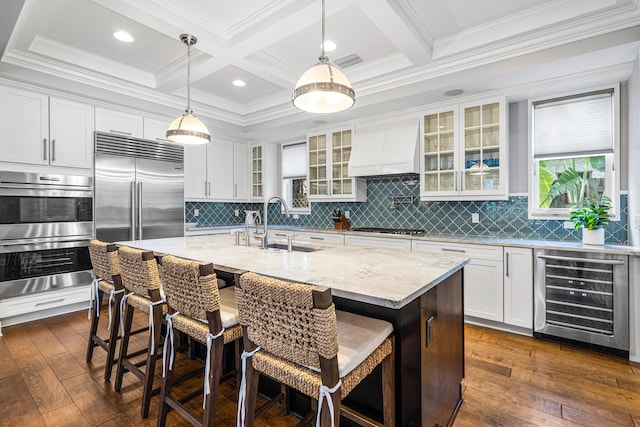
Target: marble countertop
{"points": [[381, 276], [526, 243]]}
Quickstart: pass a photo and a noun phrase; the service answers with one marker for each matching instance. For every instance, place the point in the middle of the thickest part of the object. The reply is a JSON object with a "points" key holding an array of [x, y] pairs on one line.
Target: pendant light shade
{"points": [[323, 88], [188, 129]]}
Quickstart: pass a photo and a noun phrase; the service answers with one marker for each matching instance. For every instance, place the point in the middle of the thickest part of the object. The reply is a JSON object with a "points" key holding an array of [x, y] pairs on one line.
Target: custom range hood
{"points": [[386, 149]]}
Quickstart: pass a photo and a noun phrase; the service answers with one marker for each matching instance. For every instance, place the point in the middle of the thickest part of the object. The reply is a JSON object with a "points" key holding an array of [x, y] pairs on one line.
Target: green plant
{"points": [[591, 213]]}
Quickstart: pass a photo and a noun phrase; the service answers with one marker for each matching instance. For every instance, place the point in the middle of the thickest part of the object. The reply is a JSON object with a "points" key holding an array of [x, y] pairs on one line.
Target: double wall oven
{"points": [[46, 223]]}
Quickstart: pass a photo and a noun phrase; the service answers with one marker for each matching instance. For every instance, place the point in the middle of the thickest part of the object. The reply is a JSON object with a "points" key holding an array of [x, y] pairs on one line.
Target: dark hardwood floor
{"points": [[510, 381]]}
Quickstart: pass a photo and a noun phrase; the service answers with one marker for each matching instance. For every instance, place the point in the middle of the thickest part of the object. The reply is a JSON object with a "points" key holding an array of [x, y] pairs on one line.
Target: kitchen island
{"points": [[419, 293]]}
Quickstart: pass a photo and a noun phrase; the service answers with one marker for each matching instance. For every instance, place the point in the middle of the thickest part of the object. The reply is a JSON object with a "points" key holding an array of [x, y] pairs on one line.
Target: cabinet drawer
{"points": [[386, 242], [43, 301], [472, 251], [319, 238]]}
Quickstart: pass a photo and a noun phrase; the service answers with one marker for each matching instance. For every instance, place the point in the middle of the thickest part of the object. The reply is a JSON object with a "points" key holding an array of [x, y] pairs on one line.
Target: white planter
{"points": [[593, 237]]}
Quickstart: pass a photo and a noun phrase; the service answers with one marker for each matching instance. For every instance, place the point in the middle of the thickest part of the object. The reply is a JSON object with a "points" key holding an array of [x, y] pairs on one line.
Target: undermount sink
{"points": [[294, 248]]}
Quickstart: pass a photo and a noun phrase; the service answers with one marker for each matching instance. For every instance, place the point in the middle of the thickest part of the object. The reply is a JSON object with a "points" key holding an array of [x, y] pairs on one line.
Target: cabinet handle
{"points": [[507, 254], [53, 150], [279, 235], [48, 302], [120, 132], [205, 188], [316, 238], [161, 139], [428, 332], [44, 149], [455, 180], [235, 190], [208, 188], [453, 250]]}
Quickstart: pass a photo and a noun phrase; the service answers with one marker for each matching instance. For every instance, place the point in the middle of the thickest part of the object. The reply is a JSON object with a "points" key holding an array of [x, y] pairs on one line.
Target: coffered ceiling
{"points": [[410, 52]]}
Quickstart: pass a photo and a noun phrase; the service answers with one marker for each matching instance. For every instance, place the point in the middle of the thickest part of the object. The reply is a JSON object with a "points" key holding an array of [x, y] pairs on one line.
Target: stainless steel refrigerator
{"points": [[139, 188]]}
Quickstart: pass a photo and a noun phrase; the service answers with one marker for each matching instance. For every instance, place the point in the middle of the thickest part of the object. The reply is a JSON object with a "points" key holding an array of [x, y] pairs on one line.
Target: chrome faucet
{"points": [[265, 216]]}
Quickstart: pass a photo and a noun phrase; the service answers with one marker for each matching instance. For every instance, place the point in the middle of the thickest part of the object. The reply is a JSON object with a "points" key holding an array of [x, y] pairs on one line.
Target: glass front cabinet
{"points": [[264, 171], [328, 177], [463, 152]]}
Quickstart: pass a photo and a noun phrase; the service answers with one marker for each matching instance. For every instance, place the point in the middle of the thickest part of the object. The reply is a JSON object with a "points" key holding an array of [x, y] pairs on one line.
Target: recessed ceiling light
{"points": [[239, 83], [454, 92], [123, 36], [329, 46]]}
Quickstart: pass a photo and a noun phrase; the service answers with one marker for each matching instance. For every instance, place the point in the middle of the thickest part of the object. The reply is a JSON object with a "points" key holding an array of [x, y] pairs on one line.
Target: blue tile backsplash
{"points": [[499, 219]]}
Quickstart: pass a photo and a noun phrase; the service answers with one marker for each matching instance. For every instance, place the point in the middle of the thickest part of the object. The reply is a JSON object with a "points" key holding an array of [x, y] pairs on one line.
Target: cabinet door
{"points": [[318, 179], [24, 120], [341, 182], [119, 122], [156, 130], [196, 184], [220, 170], [240, 172], [71, 133], [483, 290], [257, 180], [439, 159], [518, 287], [483, 148]]}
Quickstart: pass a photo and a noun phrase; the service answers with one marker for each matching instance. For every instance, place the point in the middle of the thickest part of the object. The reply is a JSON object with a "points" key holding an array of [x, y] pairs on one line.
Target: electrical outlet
{"points": [[236, 212], [346, 214], [196, 212], [296, 216], [636, 222], [475, 218], [568, 225]]}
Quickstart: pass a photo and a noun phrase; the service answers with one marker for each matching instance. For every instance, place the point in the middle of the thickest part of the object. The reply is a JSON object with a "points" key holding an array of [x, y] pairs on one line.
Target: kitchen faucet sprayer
{"points": [[265, 216]]}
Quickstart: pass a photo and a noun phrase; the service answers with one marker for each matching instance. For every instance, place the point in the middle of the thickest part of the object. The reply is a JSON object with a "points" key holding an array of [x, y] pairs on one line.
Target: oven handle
{"points": [[25, 246], [591, 260]]}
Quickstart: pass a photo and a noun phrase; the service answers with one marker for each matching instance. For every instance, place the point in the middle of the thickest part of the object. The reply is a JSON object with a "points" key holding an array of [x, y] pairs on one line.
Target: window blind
{"points": [[294, 160], [575, 125]]}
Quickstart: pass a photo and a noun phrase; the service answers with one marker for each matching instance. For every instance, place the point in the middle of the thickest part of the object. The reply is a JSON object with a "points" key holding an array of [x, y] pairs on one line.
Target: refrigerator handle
{"points": [[133, 210], [139, 211]]}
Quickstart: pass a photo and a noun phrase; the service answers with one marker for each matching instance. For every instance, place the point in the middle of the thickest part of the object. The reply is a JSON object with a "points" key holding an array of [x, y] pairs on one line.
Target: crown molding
{"points": [[50, 48], [404, 9]]}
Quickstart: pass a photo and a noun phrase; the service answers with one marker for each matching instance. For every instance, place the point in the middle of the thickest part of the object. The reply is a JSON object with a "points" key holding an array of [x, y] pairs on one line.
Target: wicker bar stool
{"points": [[104, 259], [140, 277], [293, 334], [205, 313]]}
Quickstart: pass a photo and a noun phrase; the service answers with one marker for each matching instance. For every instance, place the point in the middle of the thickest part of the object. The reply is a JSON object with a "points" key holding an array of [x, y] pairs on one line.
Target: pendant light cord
{"points": [[323, 57], [189, 42]]}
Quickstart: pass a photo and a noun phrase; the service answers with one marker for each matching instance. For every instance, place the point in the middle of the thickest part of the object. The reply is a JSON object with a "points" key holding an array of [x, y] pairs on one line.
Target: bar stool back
{"points": [[205, 313], [106, 270], [140, 277], [293, 334]]}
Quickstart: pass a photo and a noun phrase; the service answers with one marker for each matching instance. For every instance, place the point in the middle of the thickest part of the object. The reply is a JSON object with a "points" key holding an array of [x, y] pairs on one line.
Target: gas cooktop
{"points": [[405, 231]]}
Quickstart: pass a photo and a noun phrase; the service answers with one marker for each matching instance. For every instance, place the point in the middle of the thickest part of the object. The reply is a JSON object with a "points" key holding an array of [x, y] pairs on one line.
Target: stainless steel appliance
{"points": [[403, 231], [139, 189], [582, 298], [46, 222]]}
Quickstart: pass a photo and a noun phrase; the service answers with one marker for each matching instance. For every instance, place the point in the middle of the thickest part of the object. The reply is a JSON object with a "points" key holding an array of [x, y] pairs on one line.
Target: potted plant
{"points": [[591, 214]]}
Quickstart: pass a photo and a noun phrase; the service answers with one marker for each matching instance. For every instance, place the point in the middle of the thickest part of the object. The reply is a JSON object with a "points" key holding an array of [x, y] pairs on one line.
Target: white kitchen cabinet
{"points": [[305, 237], [385, 242], [483, 277], [119, 122], [155, 130], [264, 171], [328, 166], [41, 130], [43, 304], [518, 287], [217, 171], [464, 152]]}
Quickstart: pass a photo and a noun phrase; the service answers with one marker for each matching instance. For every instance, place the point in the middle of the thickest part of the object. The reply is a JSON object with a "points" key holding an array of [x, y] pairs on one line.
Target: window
{"points": [[294, 177], [574, 148]]}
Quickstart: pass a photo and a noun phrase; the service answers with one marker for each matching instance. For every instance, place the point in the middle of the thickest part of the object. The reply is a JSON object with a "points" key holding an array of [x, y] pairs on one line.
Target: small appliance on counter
{"points": [[340, 221]]}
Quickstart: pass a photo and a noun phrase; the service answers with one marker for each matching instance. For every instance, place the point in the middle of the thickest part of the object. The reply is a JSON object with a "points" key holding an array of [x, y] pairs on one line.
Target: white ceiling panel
{"points": [[411, 50]]}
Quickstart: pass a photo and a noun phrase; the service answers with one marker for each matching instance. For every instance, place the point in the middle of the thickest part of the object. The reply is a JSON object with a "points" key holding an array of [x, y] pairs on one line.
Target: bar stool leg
{"points": [[215, 371], [149, 373], [167, 384], [124, 345], [94, 325], [114, 334]]}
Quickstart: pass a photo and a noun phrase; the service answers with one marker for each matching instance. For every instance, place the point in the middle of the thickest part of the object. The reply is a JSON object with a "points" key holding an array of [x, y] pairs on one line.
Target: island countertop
{"points": [[381, 276]]}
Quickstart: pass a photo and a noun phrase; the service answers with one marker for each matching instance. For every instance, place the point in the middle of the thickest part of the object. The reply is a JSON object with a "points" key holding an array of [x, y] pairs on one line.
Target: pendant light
{"points": [[323, 88], [187, 129]]}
